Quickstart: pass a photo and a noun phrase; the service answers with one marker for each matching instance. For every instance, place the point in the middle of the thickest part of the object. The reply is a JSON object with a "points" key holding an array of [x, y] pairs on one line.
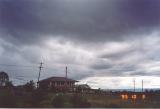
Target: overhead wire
{"points": [[12, 65]]}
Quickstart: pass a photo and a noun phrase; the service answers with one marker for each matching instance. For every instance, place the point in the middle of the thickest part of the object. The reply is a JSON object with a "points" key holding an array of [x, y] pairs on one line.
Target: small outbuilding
{"points": [[83, 88]]}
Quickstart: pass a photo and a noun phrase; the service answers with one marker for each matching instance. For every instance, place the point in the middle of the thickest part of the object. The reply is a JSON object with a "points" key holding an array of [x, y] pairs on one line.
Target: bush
{"points": [[76, 101], [112, 105], [9, 84], [7, 99], [37, 97], [59, 101], [30, 86], [79, 101]]}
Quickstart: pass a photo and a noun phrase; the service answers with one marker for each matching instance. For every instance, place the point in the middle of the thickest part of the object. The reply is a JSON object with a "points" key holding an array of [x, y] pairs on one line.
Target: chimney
{"points": [[66, 72]]}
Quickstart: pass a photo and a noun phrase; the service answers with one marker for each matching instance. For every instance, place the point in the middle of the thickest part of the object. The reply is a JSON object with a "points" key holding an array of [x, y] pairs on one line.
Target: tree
{"points": [[9, 84], [30, 86], [4, 78]]}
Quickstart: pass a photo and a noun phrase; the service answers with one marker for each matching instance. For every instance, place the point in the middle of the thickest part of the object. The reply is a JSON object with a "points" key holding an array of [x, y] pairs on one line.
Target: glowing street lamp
{"points": [[124, 97], [134, 97], [143, 96]]}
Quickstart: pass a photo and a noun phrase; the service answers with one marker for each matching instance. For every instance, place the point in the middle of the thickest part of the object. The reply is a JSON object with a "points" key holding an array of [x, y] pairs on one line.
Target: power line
{"points": [[24, 66], [11, 65]]}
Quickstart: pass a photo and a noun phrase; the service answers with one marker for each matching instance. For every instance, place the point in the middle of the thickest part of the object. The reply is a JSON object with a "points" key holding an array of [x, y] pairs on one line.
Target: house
{"points": [[57, 83], [83, 88]]}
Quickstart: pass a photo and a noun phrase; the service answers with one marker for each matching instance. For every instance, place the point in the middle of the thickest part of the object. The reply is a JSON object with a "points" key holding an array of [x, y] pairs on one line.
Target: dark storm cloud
{"points": [[94, 37], [117, 55], [101, 64], [87, 20], [120, 54], [144, 73]]}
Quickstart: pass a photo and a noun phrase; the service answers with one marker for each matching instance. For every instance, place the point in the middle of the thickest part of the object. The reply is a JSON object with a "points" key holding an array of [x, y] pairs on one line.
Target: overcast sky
{"points": [[103, 42]]}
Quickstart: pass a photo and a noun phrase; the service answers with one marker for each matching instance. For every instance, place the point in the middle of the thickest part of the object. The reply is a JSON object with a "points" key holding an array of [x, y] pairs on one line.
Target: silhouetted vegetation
{"points": [[73, 100], [28, 96], [9, 84], [40, 98], [112, 105], [30, 86], [7, 98], [59, 101], [79, 101]]}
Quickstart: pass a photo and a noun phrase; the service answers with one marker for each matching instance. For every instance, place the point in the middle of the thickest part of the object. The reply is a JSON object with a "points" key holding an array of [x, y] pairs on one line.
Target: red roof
{"points": [[58, 79]]}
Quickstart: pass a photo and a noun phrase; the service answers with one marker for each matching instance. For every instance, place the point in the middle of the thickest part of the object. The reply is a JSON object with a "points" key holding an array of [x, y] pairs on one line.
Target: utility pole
{"points": [[142, 85], [40, 68], [134, 84], [66, 72]]}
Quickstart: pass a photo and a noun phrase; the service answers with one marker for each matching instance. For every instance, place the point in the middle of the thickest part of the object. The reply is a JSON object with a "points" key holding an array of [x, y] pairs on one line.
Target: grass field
{"points": [[8, 98]]}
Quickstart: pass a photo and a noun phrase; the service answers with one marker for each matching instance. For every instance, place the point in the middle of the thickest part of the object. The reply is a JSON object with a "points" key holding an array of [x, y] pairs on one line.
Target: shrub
{"points": [[7, 99], [37, 97], [79, 101], [75, 100], [112, 105], [9, 84], [30, 86], [59, 101]]}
